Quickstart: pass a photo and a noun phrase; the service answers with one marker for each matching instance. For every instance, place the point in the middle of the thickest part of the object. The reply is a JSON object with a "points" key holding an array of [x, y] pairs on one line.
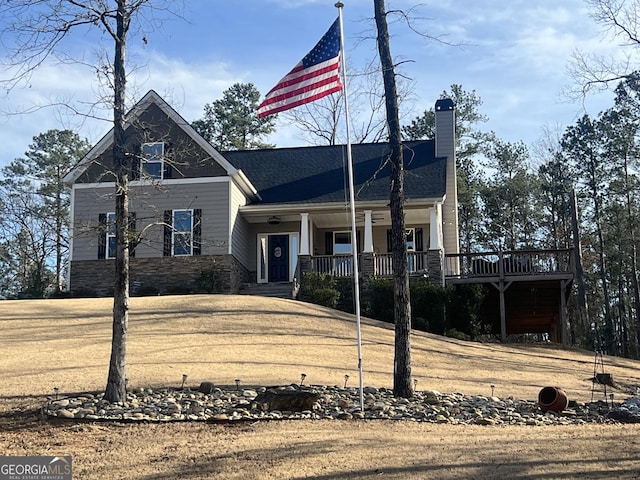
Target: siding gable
{"points": [[184, 158]]}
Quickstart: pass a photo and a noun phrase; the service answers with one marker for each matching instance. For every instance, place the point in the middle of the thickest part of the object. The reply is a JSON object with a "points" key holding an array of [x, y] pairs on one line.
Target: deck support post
{"points": [[502, 287], [563, 312]]}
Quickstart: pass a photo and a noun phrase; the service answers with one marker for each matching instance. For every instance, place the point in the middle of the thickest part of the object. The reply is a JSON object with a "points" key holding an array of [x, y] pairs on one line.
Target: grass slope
{"points": [[263, 341], [66, 343]]}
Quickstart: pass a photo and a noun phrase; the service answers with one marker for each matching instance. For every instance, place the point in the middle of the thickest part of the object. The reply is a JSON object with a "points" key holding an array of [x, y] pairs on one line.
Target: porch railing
{"points": [[336, 265], [416, 263], [342, 265], [508, 263]]}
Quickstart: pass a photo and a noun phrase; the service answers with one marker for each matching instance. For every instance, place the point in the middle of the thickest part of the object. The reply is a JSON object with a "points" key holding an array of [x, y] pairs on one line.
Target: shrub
{"points": [[345, 289], [327, 297], [210, 280], [465, 310], [418, 323], [142, 290], [319, 288], [429, 302], [379, 299]]}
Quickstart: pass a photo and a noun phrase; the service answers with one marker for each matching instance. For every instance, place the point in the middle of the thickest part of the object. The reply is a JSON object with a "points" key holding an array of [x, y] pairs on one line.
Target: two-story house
{"points": [[256, 216]]}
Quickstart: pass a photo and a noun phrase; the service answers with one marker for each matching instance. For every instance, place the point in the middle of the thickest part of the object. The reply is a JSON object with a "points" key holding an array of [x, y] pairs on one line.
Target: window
{"points": [[342, 246], [341, 243], [152, 159], [182, 240], [411, 248], [182, 232], [411, 244], [107, 235], [111, 235]]}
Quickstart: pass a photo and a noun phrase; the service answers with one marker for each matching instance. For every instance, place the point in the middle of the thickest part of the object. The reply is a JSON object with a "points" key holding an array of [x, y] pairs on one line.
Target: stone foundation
{"points": [[160, 276]]}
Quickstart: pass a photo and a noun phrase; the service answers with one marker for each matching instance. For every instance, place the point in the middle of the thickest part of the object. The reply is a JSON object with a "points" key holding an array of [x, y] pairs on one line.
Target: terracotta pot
{"points": [[552, 398]]}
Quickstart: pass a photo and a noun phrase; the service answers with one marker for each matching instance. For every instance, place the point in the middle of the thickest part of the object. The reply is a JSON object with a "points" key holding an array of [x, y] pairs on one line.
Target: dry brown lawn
{"points": [[66, 344]]}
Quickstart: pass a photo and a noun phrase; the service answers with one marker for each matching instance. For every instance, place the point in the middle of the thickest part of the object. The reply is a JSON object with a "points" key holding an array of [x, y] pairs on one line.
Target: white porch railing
{"points": [[416, 263], [342, 265], [336, 265]]}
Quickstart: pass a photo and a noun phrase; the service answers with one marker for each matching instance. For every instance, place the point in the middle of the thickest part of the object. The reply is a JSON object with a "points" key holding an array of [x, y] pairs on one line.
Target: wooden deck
{"points": [[531, 288]]}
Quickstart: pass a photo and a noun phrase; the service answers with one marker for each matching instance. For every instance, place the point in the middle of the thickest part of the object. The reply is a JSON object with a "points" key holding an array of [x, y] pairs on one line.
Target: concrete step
{"points": [[276, 290]]}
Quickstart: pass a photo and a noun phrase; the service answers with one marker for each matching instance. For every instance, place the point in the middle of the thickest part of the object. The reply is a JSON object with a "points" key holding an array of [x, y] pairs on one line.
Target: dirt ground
{"points": [[65, 344]]}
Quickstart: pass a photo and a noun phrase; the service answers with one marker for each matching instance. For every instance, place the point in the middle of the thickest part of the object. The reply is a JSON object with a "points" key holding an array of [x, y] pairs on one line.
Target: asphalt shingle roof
{"points": [[318, 174]]}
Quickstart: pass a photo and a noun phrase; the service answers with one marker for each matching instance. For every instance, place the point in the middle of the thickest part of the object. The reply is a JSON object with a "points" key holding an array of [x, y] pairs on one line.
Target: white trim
{"points": [[143, 183], [145, 161], [230, 220], [368, 231], [245, 184], [263, 277], [181, 232], [304, 234], [293, 254], [328, 207]]}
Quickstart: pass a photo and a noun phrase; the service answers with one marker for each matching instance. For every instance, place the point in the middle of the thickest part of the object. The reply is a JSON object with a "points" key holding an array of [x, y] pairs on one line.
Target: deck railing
{"points": [[460, 265], [508, 263]]}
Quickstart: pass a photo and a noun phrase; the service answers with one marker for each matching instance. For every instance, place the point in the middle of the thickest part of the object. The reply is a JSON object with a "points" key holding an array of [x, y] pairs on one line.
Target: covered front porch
{"points": [[292, 240]]}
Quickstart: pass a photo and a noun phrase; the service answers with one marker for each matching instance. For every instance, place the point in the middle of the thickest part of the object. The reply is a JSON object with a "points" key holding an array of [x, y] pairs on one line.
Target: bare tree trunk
{"points": [[116, 383], [59, 224], [402, 384], [583, 307], [635, 318]]}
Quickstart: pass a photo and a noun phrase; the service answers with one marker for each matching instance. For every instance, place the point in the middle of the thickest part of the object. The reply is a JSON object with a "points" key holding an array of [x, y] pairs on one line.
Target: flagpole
{"points": [[354, 241]]}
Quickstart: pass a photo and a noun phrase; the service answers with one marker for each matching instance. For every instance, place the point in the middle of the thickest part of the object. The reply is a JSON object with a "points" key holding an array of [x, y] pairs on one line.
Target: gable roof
{"points": [[318, 174], [139, 108]]}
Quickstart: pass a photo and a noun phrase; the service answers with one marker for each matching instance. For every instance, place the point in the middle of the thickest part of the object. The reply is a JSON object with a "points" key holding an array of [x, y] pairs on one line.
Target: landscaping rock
{"points": [[326, 402]]}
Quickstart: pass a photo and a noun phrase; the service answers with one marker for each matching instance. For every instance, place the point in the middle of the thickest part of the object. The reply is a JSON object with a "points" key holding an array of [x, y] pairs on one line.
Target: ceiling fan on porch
{"points": [[375, 217]]}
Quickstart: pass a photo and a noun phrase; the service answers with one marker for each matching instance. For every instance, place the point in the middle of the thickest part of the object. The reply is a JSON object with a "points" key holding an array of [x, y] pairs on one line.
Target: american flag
{"points": [[316, 76]]}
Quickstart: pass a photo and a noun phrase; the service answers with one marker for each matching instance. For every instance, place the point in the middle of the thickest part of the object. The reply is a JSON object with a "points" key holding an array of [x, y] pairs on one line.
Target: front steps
{"points": [[275, 290]]}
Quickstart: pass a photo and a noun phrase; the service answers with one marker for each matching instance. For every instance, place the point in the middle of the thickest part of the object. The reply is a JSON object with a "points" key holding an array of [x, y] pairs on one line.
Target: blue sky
{"points": [[513, 53]]}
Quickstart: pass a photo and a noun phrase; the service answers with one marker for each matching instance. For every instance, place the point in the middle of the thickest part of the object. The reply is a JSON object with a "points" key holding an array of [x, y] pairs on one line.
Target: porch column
{"points": [[304, 234], [435, 265], [368, 232], [435, 227]]}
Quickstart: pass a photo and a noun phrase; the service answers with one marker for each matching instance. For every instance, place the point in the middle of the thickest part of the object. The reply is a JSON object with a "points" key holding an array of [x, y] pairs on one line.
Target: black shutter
{"points": [[168, 227], [328, 243], [197, 231], [135, 162], [133, 243], [102, 236], [389, 241], [358, 241], [418, 239], [167, 161]]}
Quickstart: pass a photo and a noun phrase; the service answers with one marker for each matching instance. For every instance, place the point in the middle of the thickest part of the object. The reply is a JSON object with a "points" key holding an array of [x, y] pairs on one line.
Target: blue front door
{"points": [[278, 258]]}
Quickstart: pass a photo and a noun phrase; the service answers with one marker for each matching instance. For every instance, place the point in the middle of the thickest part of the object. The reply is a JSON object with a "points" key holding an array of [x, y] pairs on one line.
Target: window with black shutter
{"points": [[102, 236], [197, 231], [132, 234], [328, 243], [168, 223]]}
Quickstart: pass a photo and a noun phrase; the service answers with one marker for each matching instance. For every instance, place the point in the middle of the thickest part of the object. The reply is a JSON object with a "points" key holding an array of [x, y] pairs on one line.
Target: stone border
{"points": [[230, 404]]}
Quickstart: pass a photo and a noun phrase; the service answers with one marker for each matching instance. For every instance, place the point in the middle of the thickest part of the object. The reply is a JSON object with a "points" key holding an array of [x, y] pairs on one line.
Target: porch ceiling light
{"points": [[273, 220]]}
